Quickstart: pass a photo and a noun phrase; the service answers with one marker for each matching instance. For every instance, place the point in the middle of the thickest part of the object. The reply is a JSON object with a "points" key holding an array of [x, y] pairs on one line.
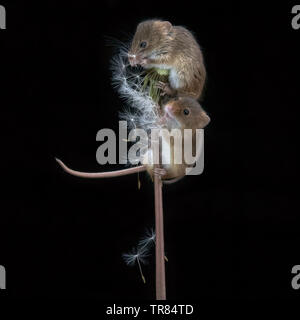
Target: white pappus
{"points": [[148, 240], [141, 110], [140, 254], [136, 255]]}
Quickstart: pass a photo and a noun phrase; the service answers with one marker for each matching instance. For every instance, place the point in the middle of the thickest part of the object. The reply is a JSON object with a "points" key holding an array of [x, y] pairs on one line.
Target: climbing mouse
{"points": [[160, 45], [180, 113]]}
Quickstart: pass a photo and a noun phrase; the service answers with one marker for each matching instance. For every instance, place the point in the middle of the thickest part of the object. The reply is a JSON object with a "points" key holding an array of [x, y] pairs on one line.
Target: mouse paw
{"points": [[144, 62], [159, 171], [165, 87]]}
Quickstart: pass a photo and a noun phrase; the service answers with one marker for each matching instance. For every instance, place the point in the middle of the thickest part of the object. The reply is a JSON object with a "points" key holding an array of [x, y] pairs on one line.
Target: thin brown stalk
{"points": [[159, 243]]}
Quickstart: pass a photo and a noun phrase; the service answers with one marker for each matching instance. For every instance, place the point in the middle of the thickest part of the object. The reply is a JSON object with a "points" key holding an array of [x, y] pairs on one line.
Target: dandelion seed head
{"points": [[141, 111], [129, 84]]}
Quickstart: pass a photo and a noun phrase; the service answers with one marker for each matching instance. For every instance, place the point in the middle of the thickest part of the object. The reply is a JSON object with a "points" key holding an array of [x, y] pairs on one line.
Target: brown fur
{"points": [[174, 47]]}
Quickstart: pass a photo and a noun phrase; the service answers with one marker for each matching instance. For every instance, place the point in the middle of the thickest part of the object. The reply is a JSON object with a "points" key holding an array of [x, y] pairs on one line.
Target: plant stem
{"points": [[159, 243]]}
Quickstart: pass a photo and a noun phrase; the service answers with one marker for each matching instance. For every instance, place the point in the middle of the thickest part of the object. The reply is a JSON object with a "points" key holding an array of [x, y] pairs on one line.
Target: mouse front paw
{"points": [[159, 171], [144, 62], [165, 88]]}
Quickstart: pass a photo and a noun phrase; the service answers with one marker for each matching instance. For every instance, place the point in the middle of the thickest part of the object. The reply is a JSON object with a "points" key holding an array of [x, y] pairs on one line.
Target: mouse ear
{"points": [[167, 26], [205, 119]]}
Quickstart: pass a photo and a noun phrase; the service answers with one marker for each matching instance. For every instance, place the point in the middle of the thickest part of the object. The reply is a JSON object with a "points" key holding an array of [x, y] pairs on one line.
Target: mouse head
{"points": [[187, 112], [151, 41]]}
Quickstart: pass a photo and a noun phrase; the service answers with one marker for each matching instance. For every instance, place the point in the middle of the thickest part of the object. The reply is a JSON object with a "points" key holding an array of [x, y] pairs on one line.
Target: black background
{"points": [[232, 232]]}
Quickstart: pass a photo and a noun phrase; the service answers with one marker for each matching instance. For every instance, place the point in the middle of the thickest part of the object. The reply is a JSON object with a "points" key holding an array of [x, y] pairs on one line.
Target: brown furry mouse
{"points": [[158, 44], [180, 113]]}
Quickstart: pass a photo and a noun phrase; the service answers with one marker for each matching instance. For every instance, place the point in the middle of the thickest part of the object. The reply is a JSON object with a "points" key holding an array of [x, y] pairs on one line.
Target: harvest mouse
{"points": [[180, 113], [160, 45]]}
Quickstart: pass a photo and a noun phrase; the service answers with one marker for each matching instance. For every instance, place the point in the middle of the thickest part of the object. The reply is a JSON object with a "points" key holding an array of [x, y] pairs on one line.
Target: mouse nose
{"points": [[169, 109], [172, 108], [132, 59]]}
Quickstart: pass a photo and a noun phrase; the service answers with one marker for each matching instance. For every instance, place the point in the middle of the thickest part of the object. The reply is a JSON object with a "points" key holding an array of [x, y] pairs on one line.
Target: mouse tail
{"points": [[97, 175]]}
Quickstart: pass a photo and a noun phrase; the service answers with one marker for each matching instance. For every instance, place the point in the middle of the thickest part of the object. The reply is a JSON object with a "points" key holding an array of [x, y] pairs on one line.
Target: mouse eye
{"points": [[143, 44], [186, 112]]}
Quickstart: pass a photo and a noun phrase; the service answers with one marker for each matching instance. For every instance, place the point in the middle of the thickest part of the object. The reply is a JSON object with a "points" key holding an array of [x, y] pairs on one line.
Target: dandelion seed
{"points": [[136, 256], [148, 240]]}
